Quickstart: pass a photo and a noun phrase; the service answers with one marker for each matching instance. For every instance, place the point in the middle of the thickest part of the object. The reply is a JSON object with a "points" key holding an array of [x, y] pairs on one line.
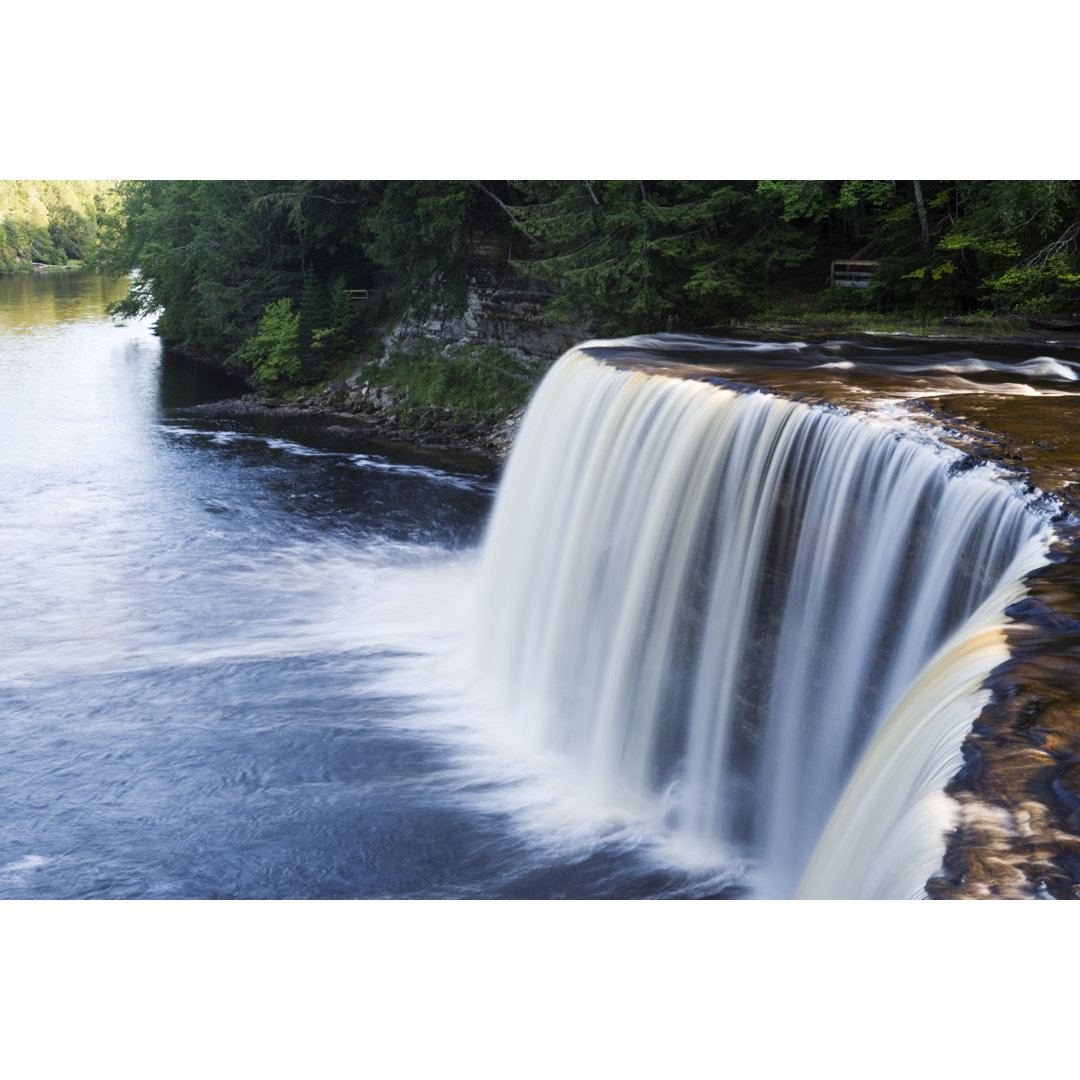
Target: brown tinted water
{"points": [[223, 637], [1017, 405]]}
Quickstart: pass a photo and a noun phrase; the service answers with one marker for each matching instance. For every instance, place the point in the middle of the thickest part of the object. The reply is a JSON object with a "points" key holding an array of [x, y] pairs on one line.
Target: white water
{"points": [[727, 609]]}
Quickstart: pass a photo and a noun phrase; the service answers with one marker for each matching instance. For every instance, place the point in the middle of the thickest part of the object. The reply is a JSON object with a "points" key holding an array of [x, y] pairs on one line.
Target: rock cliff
{"points": [[510, 316]]}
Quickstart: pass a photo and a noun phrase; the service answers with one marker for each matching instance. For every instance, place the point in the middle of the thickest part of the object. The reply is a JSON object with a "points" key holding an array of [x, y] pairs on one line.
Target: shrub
{"points": [[274, 350]]}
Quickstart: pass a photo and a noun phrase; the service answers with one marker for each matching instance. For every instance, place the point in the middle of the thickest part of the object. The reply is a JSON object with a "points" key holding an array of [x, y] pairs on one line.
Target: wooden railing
{"points": [[852, 273]]}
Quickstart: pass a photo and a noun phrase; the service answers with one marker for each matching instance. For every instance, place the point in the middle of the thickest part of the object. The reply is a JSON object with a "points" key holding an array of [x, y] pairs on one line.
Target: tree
{"points": [[631, 255], [209, 256], [1021, 239], [920, 205], [619, 256], [273, 352], [49, 221], [417, 230]]}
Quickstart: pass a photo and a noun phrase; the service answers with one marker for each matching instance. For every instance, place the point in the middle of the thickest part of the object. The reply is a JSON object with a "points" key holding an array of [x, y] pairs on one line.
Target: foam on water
{"points": [[708, 603]]}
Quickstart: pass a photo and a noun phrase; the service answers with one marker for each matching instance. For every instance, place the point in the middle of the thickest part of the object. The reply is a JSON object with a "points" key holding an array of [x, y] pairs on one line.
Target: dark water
{"points": [[236, 654], [230, 664]]}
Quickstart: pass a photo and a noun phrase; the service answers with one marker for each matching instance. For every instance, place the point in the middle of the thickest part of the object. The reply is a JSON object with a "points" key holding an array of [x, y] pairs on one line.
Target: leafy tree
{"points": [[274, 350], [49, 221], [211, 255], [214, 258], [417, 230], [1020, 238]]}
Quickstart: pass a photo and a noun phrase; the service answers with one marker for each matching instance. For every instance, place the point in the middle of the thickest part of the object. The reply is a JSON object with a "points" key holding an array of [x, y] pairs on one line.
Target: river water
{"points": [[237, 657], [229, 662]]}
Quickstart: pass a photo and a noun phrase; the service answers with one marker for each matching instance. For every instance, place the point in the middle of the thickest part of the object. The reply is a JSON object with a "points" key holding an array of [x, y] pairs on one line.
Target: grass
{"points": [[810, 320], [474, 383], [822, 322]]}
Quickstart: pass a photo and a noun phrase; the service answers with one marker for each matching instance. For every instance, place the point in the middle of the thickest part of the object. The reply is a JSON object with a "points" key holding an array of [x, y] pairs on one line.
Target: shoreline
{"points": [[350, 420], [971, 336], [351, 408]]}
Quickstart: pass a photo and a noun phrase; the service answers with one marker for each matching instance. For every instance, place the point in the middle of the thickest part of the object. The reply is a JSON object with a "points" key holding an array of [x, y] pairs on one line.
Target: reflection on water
{"points": [[39, 304], [230, 668]]}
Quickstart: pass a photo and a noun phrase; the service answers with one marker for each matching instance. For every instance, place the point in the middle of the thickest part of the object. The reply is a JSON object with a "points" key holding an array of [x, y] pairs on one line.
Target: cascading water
{"points": [[734, 611]]}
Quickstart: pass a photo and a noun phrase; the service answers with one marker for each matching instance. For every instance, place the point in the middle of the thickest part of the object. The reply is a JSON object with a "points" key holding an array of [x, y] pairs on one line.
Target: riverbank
{"points": [[451, 396], [347, 412], [366, 403], [1008, 331]]}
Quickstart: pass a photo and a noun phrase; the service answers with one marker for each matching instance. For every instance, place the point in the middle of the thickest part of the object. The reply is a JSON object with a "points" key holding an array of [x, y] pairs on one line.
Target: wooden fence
{"points": [[852, 273]]}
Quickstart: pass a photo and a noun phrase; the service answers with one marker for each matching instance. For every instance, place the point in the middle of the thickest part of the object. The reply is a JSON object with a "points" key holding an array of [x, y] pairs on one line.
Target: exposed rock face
{"points": [[511, 317], [356, 409], [502, 438], [501, 310]]}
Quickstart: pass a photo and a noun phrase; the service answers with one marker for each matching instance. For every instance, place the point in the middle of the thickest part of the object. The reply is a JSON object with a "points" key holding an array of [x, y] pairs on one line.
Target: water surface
{"points": [[236, 657], [229, 665]]}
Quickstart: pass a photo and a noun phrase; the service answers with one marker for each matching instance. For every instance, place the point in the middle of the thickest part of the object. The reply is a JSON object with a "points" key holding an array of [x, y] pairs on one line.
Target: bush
{"points": [[843, 298], [274, 351]]}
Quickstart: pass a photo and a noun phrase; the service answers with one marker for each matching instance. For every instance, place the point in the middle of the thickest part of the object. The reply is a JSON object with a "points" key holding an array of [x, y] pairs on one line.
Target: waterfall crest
{"points": [[739, 610]]}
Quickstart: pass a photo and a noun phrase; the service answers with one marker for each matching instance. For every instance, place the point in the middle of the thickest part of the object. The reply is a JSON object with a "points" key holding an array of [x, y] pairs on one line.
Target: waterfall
{"points": [[766, 622]]}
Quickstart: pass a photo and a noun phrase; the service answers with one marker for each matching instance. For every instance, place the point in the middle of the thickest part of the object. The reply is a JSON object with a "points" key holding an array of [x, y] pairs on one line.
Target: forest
{"points": [[53, 222], [264, 275]]}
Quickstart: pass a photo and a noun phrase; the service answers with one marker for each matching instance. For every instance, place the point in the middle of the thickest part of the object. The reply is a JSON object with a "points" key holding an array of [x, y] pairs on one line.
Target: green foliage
{"points": [[416, 230], [960, 237], [330, 321], [815, 201], [292, 348], [633, 255], [1047, 281], [595, 251], [211, 255], [50, 221], [617, 256], [837, 300], [1022, 235], [475, 382], [273, 352]]}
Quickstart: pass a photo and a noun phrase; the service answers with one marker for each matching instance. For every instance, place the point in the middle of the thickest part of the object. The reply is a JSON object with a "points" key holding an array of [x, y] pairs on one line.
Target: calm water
{"points": [[231, 654]]}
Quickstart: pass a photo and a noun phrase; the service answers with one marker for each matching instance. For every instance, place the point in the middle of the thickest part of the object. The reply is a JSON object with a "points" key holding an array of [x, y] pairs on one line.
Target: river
{"points": [[228, 666], [240, 653]]}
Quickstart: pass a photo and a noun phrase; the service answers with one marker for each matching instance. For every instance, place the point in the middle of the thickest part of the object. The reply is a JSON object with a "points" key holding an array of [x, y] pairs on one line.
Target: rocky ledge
{"points": [[357, 407]]}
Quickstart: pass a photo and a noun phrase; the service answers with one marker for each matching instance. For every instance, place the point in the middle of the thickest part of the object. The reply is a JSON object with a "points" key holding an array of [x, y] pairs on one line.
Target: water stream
{"points": [[711, 601], [245, 659]]}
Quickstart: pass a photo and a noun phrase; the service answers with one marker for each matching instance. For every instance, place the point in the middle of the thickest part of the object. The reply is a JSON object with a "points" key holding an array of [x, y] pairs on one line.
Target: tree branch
{"points": [[510, 214]]}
